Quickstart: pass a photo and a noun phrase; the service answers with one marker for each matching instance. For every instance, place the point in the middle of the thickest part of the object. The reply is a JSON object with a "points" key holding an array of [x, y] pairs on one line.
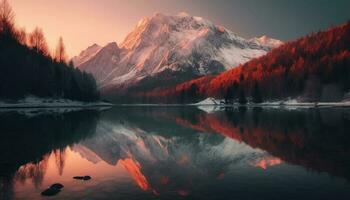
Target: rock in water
{"points": [[57, 186], [50, 192], [53, 189], [85, 178]]}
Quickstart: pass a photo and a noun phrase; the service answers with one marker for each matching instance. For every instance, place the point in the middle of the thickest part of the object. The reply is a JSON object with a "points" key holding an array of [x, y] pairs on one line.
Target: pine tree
{"points": [[60, 54], [228, 95], [242, 99], [256, 94]]}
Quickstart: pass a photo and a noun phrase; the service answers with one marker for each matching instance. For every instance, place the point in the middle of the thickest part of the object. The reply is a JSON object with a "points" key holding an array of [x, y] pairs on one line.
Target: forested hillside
{"points": [[27, 68], [312, 68]]}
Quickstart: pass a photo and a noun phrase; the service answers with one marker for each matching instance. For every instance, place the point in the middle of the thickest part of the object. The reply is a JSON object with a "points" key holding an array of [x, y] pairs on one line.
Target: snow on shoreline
{"points": [[280, 103], [36, 102], [208, 101]]}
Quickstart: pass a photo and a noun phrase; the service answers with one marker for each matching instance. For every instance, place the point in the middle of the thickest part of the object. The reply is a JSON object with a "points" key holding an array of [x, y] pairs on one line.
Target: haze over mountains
{"points": [[180, 46]]}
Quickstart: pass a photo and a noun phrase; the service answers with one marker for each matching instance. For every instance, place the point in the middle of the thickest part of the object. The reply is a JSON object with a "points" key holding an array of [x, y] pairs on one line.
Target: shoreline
{"points": [[310, 105], [54, 106], [301, 105], [278, 103], [42, 103], [37, 103]]}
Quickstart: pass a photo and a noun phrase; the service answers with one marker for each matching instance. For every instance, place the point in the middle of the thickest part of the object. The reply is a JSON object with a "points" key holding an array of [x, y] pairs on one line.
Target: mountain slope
{"points": [[312, 68], [179, 43], [102, 62], [86, 55]]}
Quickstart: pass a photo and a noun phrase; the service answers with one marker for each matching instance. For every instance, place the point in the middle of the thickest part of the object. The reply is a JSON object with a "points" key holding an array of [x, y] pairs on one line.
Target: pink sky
{"points": [[82, 23]]}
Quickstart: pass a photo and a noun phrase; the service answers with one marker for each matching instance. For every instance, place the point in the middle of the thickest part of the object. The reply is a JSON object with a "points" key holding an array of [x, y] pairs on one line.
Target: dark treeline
{"points": [[313, 68], [27, 68]]}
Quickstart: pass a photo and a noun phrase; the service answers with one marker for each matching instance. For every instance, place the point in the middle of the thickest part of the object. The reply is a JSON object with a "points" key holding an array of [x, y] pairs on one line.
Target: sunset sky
{"points": [[84, 22]]}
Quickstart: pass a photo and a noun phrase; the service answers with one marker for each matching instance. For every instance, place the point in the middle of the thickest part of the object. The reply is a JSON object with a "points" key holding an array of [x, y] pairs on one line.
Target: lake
{"points": [[140, 152]]}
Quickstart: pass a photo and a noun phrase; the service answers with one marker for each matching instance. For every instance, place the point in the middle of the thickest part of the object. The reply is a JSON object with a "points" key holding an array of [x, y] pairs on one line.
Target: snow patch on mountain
{"points": [[232, 56], [266, 41]]}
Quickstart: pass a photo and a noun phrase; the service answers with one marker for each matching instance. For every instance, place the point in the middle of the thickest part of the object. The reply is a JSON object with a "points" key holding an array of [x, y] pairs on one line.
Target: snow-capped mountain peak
{"points": [[173, 42]]}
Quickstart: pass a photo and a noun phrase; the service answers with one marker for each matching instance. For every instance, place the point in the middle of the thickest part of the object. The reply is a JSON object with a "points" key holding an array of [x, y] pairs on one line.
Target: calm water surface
{"points": [[177, 153]]}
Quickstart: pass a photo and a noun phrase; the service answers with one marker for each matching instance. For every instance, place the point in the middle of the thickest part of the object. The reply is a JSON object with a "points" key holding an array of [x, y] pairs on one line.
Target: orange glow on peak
{"points": [[221, 29]]}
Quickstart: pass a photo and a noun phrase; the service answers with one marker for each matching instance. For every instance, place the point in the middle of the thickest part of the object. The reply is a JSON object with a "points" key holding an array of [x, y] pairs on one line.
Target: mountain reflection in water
{"points": [[177, 152]]}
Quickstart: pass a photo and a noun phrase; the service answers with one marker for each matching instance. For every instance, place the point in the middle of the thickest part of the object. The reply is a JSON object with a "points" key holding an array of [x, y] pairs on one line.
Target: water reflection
{"points": [[27, 140], [178, 152]]}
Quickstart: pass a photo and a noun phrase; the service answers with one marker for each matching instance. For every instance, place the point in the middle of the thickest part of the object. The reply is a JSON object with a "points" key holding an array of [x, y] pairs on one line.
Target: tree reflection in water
{"points": [[26, 142]]}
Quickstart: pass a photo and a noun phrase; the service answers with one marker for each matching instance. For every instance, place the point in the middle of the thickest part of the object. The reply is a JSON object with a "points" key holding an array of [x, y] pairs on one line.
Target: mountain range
{"points": [[164, 50]]}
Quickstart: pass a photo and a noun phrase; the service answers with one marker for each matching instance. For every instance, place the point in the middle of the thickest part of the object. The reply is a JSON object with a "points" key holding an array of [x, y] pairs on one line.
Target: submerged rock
{"points": [[50, 192], [85, 178], [57, 186]]}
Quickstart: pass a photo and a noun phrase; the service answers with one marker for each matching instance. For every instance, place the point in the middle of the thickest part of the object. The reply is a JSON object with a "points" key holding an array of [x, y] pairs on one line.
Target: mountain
{"points": [[86, 55], [311, 69], [103, 62], [180, 44]]}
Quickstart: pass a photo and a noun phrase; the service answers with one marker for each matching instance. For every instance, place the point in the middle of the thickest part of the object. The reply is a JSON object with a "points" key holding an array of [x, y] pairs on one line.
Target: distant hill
{"points": [[313, 68]]}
